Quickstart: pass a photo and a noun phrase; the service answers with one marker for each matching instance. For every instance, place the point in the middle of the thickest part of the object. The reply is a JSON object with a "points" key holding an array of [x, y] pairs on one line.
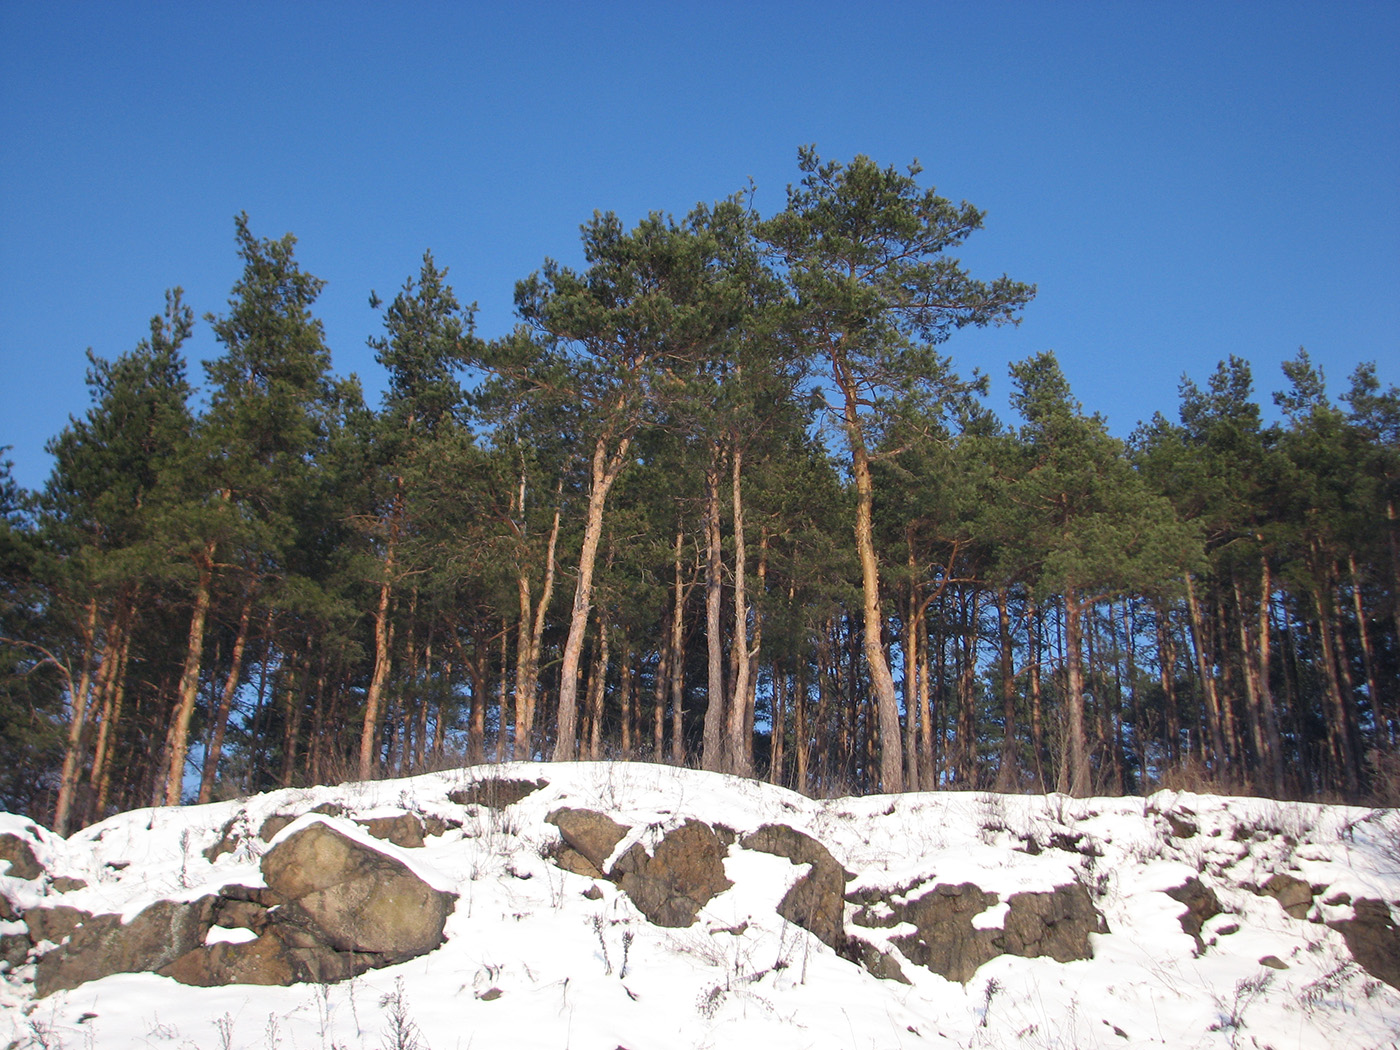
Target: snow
{"points": [[530, 961]]}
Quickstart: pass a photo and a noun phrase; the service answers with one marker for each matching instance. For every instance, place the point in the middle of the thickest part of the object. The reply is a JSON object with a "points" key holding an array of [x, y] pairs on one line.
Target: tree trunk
{"points": [[712, 757], [881, 681], [678, 662], [1079, 778], [1213, 726], [740, 728], [605, 470], [77, 722], [1008, 777], [528, 647], [189, 677], [383, 639], [216, 741]]}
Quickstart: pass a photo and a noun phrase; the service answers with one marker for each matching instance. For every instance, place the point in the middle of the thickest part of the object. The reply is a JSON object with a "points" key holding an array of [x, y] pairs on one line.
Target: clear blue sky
{"points": [[1182, 180]]}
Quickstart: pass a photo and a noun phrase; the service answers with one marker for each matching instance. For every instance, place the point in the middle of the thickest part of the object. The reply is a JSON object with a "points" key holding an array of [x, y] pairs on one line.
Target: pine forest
{"points": [[719, 499]]}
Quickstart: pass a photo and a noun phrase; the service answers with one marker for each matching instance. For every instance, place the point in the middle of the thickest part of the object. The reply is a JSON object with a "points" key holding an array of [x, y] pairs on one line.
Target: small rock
{"points": [[593, 893], [67, 884], [591, 834], [495, 792], [23, 863], [1273, 962]]}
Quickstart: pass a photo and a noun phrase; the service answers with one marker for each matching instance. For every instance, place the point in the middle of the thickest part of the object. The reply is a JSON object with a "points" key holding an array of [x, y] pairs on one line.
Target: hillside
{"points": [[597, 905]]}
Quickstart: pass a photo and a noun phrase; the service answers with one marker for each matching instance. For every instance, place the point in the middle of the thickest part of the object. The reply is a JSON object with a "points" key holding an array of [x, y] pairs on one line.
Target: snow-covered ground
{"points": [[531, 961]]}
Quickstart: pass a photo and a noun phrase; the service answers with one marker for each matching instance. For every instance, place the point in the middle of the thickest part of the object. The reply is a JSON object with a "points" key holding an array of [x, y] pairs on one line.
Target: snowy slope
{"points": [[530, 961]]}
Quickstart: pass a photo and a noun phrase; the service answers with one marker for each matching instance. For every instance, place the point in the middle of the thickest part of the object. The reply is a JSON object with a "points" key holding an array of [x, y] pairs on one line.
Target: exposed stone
{"points": [[1202, 905], [14, 948], [1373, 939], [23, 863], [7, 909], [591, 834], [881, 964], [816, 901], [404, 830], [1273, 962], [1293, 894], [67, 884], [1055, 924], [273, 824], [1182, 828], [105, 945], [353, 898], [685, 873], [54, 924], [229, 838], [945, 940], [570, 859], [495, 792]]}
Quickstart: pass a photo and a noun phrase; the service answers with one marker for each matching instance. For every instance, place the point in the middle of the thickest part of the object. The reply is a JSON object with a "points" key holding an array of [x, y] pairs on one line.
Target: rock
{"points": [[592, 835], [353, 898], [880, 964], [404, 830], [8, 913], [23, 863], [945, 940], [685, 873], [14, 948], [105, 945], [67, 884], [265, 961], [273, 824], [817, 901], [1273, 962], [229, 838], [1202, 905], [54, 924], [1293, 894], [1373, 939], [1055, 924], [495, 792]]}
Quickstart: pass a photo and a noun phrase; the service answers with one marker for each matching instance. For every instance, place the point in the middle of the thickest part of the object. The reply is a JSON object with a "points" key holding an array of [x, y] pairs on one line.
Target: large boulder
{"points": [[332, 908], [353, 898]]}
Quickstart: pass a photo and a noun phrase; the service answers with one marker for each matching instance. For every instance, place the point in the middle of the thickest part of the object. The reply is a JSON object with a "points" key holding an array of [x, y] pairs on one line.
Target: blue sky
{"points": [[1182, 180]]}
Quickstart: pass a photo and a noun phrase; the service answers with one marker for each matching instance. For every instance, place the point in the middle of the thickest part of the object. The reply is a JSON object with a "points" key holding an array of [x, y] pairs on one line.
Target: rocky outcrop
{"points": [[332, 908], [685, 873], [669, 886], [948, 941], [816, 901], [104, 945], [1373, 939], [1294, 895]]}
